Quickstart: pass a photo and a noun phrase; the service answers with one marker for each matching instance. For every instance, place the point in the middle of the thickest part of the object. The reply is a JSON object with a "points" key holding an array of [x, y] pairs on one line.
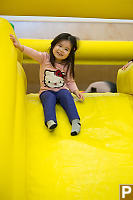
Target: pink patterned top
{"points": [[51, 78]]}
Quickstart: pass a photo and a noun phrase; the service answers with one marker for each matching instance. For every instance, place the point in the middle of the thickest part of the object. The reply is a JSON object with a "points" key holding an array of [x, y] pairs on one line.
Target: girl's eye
{"points": [[59, 45], [66, 49]]}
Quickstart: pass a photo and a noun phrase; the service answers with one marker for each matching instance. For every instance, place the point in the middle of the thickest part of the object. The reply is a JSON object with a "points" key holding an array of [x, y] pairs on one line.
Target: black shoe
{"points": [[74, 133], [53, 127]]}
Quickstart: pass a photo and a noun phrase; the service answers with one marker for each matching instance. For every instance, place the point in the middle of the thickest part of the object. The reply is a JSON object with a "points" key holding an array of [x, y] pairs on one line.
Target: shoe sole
{"points": [[53, 127]]}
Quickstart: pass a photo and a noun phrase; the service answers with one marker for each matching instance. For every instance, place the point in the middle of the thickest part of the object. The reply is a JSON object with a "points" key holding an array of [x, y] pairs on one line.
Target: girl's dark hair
{"points": [[69, 61]]}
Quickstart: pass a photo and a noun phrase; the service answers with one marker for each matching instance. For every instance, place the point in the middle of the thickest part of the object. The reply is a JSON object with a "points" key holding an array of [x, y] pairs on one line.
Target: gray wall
{"points": [[83, 30]]}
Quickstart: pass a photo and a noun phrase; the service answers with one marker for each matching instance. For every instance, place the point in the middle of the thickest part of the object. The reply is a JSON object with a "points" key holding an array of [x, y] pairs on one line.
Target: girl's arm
{"points": [[125, 66], [36, 55], [72, 86]]}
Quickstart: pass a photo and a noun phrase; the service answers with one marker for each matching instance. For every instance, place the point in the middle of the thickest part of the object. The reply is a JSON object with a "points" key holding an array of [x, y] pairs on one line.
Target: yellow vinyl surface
{"points": [[120, 9], [36, 164], [125, 80], [90, 52]]}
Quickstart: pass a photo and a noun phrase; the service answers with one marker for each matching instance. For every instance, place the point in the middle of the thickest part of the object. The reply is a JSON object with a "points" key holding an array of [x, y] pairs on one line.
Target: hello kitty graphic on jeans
{"points": [[54, 79]]}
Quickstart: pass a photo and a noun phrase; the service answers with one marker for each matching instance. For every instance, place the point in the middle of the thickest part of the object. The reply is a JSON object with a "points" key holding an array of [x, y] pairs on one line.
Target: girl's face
{"points": [[61, 50]]}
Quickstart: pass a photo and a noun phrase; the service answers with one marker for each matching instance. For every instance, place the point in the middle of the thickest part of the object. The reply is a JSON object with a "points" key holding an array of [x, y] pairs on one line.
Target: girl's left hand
{"points": [[79, 95]]}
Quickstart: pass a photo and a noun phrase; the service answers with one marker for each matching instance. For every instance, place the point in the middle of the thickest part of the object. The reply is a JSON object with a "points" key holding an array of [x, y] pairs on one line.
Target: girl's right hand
{"points": [[16, 43]]}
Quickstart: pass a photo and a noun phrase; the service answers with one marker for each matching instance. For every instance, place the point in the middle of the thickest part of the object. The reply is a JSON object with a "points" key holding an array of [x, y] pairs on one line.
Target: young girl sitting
{"points": [[57, 78]]}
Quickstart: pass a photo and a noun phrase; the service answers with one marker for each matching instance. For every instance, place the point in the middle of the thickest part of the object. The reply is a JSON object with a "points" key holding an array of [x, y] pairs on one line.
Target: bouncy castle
{"points": [[38, 165]]}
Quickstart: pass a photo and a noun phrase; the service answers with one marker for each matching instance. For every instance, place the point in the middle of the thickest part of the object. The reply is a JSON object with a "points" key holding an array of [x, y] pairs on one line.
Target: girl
{"points": [[57, 78]]}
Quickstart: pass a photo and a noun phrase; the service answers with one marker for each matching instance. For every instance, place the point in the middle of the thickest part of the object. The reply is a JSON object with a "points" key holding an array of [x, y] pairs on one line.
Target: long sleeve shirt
{"points": [[52, 78]]}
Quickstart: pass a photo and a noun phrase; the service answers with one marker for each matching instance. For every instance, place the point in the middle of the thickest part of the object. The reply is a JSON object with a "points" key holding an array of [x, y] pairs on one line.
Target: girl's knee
{"points": [[65, 96], [48, 98], [64, 92]]}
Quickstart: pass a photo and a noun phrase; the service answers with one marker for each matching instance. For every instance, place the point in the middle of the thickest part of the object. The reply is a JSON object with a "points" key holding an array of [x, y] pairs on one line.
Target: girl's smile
{"points": [[61, 50]]}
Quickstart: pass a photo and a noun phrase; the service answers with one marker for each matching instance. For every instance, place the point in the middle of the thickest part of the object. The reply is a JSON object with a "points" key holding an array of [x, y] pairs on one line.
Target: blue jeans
{"points": [[49, 99]]}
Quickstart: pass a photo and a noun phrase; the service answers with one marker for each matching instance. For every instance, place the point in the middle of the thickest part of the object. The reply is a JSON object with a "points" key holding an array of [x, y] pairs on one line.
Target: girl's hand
{"points": [[16, 43], [125, 66], [79, 95]]}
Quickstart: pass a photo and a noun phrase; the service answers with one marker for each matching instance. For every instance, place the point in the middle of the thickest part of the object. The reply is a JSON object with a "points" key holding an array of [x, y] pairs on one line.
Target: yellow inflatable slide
{"points": [[38, 165]]}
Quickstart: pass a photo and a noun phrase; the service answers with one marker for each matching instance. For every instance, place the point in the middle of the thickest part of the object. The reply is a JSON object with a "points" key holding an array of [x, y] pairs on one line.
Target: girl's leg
{"points": [[48, 100], [67, 102]]}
